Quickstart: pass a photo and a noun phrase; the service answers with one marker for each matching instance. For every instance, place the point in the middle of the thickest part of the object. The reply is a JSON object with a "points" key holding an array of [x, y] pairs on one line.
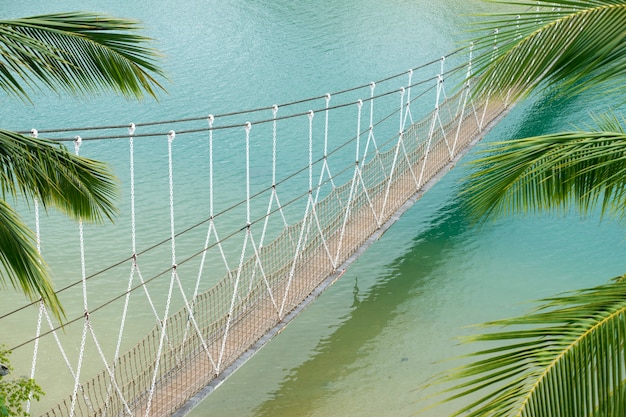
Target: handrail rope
{"points": [[257, 122], [254, 110], [168, 269], [222, 212]]}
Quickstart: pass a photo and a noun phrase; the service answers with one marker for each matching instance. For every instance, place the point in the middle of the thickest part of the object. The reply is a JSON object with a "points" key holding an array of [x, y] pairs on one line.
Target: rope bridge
{"points": [[268, 214]]}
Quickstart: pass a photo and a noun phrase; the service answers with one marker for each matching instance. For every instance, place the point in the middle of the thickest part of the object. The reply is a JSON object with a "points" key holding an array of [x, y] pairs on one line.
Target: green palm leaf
{"points": [[569, 44], [46, 170], [22, 266], [77, 53], [583, 168], [565, 359]]}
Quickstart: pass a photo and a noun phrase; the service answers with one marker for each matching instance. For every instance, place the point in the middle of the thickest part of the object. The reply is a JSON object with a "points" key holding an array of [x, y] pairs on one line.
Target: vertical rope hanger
{"points": [[407, 105], [131, 133], [170, 138], [370, 134], [313, 201], [353, 183], [234, 297], [43, 311], [305, 222], [325, 167], [212, 229], [87, 325], [443, 99], [274, 194], [303, 227], [77, 143], [191, 305], [361, 165], [433, 126], [463, 103], [400, 144], [42, 306], [493, 55]]}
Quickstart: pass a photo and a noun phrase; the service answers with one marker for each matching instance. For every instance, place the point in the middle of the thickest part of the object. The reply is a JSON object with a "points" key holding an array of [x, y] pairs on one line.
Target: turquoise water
{"points": [[367, 345]]}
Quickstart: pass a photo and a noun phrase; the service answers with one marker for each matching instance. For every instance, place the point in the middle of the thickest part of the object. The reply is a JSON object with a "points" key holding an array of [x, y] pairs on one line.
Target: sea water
{"points": [[370, 342]]}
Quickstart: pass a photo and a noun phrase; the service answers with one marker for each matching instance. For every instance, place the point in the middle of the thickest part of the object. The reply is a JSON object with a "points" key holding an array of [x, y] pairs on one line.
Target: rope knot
{"points": [[171, 135], [131, 129], [77, 142], [34, 133]]}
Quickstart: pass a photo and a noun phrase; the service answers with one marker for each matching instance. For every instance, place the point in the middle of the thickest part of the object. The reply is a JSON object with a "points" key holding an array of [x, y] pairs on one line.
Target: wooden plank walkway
{"points": [[190, 369]]}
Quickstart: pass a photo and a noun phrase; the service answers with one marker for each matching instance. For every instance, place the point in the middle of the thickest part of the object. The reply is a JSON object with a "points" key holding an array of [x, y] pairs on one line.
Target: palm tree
{"points": [[567, 358], [77, 53]]}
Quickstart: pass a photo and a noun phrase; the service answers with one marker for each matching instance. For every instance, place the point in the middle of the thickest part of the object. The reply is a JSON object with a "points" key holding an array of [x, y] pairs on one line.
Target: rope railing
{"points": [[256, 195], [318, 185], [247, 111]]}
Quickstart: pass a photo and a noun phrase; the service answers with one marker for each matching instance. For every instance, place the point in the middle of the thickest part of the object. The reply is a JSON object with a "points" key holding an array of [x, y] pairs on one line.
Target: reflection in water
{"points": [[338, 355]]}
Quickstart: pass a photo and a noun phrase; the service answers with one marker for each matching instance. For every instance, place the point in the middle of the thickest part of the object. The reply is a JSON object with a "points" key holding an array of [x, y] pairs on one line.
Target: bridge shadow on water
{"points": [[336, 355], [407, 278]]}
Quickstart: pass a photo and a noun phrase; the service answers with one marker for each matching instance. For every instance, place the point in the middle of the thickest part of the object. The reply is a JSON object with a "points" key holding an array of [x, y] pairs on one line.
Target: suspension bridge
{"points": [[202, 270]]}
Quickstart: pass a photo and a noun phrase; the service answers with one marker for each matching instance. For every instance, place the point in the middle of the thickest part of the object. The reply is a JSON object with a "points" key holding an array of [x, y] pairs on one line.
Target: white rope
{"points": [[360, 163], [441, 86], [42, 305], [325, 167], [466, 95], [233, 300], [210, 120], [394, 164], [110, 371], [431, 131], [493, 56], [189, 306], [407, 112], [170, 138], [191, 318], [353, 184], [81, 355], [304, 229], [212, 226], [313, 201], [131, 132], [274, 195], [133, 269], [370, 135]]}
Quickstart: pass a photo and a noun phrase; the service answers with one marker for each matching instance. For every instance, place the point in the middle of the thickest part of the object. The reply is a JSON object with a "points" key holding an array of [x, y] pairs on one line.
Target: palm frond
{"points": [[564, 359], [579, 168], [46, 170], [569, 44], [77, 53], [22, 266]]}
